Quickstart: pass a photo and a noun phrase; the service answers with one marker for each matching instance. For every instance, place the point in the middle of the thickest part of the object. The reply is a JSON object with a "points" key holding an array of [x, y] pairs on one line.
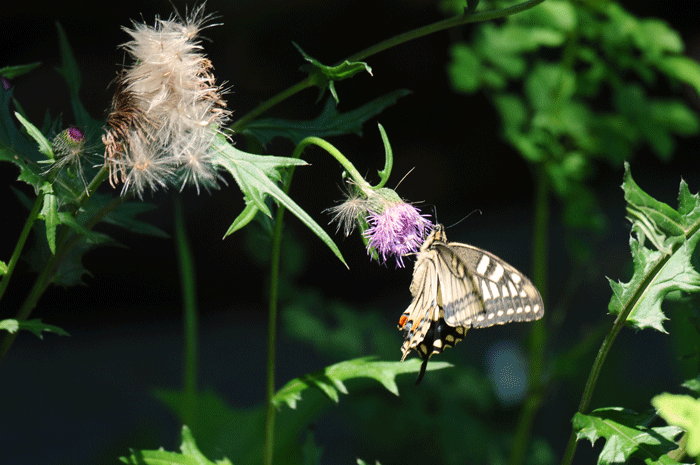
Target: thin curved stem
{"points": [[387, 44], [442, 25], [335, 153]]}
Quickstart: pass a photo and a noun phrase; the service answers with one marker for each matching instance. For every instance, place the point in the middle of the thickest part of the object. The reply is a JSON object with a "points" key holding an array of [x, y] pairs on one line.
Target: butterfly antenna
{"points": [[467, 216]]}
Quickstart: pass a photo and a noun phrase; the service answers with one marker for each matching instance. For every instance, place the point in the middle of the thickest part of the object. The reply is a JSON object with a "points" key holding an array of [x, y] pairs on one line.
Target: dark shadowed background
{"points": [[82, 398]]}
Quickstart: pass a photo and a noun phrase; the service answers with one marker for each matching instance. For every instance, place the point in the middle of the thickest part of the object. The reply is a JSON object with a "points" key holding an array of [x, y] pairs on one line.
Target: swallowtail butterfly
{"points": [[456, 287]]}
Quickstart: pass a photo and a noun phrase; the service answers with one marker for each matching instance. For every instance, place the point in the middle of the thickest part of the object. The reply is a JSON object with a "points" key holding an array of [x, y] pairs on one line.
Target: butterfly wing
{"points": [[457, 286], [500, 293], [423, 321]]}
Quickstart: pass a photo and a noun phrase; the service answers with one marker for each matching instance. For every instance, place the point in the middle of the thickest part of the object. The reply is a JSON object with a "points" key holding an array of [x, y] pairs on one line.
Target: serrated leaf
{"points": [[325, 76], [656, 273], [190, 455], [238, 432], [49, 213], [35, 326], [330, 379], [328, 124], [626, 435], [255, 174], [44, 146]]}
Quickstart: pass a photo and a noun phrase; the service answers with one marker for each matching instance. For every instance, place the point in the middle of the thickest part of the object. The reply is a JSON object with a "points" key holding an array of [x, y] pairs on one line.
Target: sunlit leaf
{"points": [[330, 379], [627, 434], [256, 176], [684, 412], [657, 272], [35, 326], [189, 455]]}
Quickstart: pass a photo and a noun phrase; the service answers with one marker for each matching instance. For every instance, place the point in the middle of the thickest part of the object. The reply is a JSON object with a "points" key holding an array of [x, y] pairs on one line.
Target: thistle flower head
{"points": [[396, 231], [69, 142], [68, 147], [395, 228], [167, 109]]}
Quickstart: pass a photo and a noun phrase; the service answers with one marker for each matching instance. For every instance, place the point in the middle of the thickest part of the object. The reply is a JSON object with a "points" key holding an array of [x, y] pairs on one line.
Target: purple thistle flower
{"points": [[6, 84], [399, 230]]}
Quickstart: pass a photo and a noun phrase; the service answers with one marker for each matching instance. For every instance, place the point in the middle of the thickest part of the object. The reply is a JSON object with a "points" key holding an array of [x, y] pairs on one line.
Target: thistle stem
{"points": [[275, 252], [65, 242], [190, 315], [335, 153], [21, 241], [384, 45]]}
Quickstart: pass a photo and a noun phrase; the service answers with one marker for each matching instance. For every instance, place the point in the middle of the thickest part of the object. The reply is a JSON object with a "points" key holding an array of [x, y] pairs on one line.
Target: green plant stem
{"points": [[441, 26], [335, 153], [21, 241], [271, 102], [65, 243], [605, 347], [276, 249], [593, 376], [384, 45], [538, 335], [190, 314]]}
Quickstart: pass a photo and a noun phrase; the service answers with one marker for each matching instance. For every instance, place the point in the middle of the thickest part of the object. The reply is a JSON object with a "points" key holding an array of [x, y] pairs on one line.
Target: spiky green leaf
{"points": [[49, 213], [657, 272], [44, 146], [255, 176], [328, 124], [325, 76], [190, 455], [627, 434], [330, 379], [71, 73]]}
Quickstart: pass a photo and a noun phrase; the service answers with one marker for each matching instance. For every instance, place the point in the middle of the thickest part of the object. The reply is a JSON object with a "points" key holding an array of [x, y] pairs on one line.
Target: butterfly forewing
{"points": [[457, 286], [503, 293]]}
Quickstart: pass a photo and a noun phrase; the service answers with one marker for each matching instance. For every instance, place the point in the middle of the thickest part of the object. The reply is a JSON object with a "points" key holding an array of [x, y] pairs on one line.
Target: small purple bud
{"points": [[75, 135], [6, 84], [399, 230], [69, 143]]}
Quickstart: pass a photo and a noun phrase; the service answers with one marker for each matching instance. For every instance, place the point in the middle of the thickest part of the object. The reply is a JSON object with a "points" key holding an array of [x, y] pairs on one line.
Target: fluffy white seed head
{"points": [[173, 108]]}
